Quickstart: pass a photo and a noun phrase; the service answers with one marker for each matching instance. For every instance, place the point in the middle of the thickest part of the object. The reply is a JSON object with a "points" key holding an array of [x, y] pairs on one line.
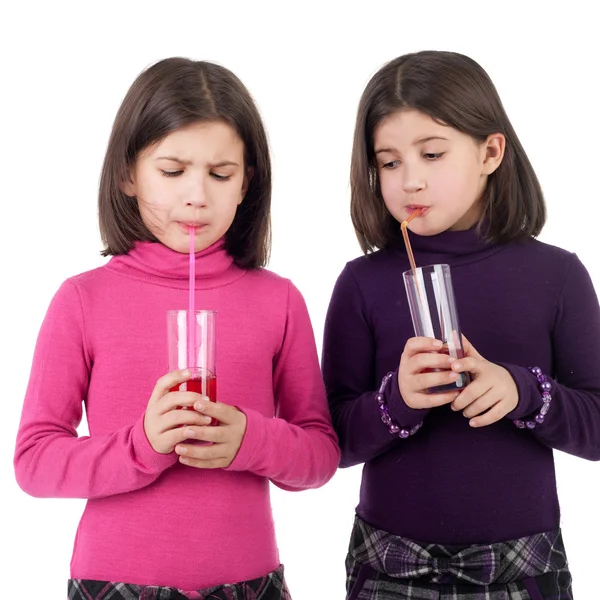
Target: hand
{"points": [[420, 354], [492, 389], [164, 418], [226, 438]]}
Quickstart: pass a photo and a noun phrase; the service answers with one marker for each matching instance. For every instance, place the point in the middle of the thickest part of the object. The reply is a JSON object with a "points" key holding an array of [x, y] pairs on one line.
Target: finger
{"points": [[469, 364], [429, 360], [209, 452], [167, 382], [218, 435], [173, 400], [180, 418], [426, 381], [421, 344], [217, 463], [469, 349], [497, 412], [224, 413], [435, 400], [482, 404], [470, 394]]}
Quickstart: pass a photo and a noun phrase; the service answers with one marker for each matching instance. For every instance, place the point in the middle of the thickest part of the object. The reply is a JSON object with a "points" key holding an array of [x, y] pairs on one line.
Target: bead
{"points": [[545, 388], [384, 413]]}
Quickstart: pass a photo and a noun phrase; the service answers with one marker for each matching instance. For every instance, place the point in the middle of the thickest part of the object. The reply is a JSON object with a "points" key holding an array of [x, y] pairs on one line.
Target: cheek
{"points": [[390, 188]]}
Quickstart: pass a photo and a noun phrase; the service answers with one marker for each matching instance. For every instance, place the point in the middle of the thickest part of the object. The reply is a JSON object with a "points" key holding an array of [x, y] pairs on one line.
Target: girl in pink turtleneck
{"points": [[164, 517]]}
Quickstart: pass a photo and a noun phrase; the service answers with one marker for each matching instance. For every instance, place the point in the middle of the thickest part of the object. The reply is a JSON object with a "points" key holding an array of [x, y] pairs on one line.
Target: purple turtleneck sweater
{"points": [[520, 305]]}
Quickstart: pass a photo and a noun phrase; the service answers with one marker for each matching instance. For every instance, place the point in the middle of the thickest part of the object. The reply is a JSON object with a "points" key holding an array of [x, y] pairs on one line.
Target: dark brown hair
{"points": [[171, 94], [456, 91]]}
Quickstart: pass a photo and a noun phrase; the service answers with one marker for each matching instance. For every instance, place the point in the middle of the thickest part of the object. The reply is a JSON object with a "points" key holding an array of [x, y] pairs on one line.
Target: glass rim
{"points": [[409, 271]]}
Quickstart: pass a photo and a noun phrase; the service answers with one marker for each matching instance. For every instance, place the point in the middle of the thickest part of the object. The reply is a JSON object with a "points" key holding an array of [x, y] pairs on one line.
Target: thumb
{"points": [[469, 348]]}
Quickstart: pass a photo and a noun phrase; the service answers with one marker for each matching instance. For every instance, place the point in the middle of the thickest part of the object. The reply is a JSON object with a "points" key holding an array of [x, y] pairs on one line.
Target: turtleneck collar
{"points": [[452, 247], [156, 263]]}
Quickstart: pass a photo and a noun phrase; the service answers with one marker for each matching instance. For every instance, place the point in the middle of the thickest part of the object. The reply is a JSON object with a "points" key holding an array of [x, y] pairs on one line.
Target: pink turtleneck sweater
{"points": [[149, 519]]}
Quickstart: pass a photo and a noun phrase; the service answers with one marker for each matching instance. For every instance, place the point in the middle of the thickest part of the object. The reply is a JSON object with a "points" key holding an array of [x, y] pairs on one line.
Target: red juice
{"points": [[195, 385]]}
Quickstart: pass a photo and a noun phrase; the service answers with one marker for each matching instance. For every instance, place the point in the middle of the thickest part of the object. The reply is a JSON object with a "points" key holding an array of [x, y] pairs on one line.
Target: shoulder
{"points": [[373, 267], [547, 259], [273, 287]]}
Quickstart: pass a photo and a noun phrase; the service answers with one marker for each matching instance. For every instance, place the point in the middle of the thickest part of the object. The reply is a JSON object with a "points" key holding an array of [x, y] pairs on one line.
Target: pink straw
{"points": [[191, 308]]}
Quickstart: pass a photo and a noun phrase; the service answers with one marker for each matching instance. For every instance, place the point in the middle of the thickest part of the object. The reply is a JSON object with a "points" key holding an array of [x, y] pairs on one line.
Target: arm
{"points": [[349, 352], [573, 421], [298, 448], [50, 459]]}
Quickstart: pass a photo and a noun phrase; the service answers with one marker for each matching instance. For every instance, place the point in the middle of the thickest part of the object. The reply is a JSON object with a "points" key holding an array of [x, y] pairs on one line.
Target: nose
{"points": [[196, 195], [413, 180]]}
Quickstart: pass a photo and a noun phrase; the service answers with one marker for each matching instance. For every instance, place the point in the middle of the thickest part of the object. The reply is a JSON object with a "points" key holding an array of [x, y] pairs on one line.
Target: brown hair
{"points": [[171, 94], [453, 89]]}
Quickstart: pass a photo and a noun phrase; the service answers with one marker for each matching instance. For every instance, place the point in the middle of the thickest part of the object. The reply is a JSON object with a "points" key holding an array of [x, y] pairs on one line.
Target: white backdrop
{"points": [[64, 70]]}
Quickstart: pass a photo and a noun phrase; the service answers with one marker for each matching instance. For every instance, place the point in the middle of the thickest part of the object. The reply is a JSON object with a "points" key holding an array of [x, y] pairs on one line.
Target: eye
{"points": [[171, 173], [391, 165], [433, 155], [220, 177]]}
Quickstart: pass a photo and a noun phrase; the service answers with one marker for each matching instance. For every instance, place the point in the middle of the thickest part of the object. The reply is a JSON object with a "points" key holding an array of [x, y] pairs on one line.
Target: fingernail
{"points": [[453, 375], [180, 450], [473, 423], [438, 344], [183, 460], [189, 433], [185, 373], [451, 359], [207, 419], [200, 405]]}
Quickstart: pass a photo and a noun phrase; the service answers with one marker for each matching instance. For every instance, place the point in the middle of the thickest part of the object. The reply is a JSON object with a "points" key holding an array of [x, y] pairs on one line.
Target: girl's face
{"points": [[194, 176], [424, 164]]}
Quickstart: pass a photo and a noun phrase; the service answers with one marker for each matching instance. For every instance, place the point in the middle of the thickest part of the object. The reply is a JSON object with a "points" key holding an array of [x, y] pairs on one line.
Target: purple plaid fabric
{"points": [[270, 587], [382, 566]]}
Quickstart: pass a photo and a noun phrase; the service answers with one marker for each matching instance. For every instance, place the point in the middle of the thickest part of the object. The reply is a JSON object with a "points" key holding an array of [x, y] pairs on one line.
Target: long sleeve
{"points": [[50, 459], [348, 362], [297, 449], [573, 420]]}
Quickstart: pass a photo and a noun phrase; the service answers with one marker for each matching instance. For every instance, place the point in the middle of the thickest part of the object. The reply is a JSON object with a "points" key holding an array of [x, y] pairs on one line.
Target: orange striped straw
{"points": [[404, 228]]}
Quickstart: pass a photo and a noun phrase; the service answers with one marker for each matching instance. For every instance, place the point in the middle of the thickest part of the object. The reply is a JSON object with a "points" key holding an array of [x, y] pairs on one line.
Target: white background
{"points": [[64, 71]]}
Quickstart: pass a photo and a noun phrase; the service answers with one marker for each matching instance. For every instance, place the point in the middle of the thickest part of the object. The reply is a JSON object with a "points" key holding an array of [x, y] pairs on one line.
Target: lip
{"points": [[197, 225], [411, 208]]}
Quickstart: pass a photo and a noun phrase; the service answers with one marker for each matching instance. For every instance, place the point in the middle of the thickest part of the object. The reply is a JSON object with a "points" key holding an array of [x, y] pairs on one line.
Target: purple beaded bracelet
{"points": [[545, 387], [386, 418]]}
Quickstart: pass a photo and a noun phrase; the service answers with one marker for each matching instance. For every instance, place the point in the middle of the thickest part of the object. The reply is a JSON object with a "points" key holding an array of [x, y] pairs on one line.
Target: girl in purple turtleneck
{"points": [[458, 497], [165, 517]]}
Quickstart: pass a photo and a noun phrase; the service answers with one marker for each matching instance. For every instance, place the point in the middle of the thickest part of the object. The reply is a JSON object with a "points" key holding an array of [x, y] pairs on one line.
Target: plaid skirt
{"points": [[270, 587], [383, 566]]}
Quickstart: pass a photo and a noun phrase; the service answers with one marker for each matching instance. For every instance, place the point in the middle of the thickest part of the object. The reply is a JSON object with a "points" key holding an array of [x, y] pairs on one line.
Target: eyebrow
{"points": [[222, 163], [416, 143]]}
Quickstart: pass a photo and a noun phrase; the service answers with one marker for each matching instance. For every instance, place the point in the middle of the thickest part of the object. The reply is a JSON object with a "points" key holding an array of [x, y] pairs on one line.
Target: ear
{"points": [[494, 147], [128, 186], [248, 175]]}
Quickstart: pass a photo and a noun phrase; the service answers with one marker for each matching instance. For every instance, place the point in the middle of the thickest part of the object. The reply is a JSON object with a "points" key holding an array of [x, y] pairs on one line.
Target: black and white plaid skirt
{"points": [[270, 587], [383, 566]]}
